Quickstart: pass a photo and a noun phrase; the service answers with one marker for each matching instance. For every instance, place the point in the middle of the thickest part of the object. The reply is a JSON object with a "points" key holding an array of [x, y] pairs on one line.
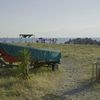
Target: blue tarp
{"points": [[36, 53]]}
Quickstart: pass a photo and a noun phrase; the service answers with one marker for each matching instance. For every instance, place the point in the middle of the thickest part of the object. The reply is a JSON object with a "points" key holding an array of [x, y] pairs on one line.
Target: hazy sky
{"points": [[50, 18]]}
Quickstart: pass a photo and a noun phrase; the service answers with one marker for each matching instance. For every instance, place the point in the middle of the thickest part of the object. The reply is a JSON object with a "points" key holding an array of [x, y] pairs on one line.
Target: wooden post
{"points": [[96, 72], [93, 71], [53, 67]]}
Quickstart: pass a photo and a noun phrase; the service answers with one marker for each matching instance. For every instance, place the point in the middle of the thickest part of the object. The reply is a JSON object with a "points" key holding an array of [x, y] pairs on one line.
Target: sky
{"points": [[50, 18]]}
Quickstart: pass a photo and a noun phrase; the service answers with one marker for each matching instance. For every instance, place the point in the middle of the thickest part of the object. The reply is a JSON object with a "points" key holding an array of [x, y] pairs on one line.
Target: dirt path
{"points": [[72, 88]]}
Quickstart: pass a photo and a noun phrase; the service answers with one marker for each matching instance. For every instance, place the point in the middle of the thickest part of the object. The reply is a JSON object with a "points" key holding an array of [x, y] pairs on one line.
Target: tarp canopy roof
{"points": [[26, 35], [36, 53]]}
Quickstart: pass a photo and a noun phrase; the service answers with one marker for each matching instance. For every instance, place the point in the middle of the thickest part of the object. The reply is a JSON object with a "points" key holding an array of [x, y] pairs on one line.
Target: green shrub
{"points": [[23, 69]]}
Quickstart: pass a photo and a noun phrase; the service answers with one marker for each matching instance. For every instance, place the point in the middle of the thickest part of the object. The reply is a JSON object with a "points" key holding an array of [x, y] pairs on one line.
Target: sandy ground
{"points": [[74, 85]]}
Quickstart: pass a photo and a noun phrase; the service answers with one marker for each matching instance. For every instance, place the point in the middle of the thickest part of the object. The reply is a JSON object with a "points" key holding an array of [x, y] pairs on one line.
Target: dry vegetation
{"points": [[71, 82]]}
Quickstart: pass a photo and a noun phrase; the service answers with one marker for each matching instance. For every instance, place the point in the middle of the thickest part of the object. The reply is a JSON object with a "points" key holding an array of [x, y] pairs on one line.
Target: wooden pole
{"points": [[96, 72], [93, 71], [53, 67]]}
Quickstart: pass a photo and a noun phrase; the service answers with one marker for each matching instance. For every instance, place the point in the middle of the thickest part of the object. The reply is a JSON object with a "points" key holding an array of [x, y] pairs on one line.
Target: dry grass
{"points": [[39, 84], [43, 81]]}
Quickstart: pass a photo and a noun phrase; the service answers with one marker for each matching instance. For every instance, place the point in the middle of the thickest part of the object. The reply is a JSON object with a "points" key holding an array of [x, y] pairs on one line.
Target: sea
{"points": [[15, 40]]}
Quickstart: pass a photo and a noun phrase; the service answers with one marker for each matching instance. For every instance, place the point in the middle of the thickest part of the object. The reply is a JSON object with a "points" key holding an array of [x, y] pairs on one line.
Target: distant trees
{"points": [[82, 41]]}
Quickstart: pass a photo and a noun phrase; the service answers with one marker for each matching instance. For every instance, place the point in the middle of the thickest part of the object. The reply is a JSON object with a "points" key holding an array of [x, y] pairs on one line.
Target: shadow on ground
{"points": [[65, 95], [7, 72]]}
